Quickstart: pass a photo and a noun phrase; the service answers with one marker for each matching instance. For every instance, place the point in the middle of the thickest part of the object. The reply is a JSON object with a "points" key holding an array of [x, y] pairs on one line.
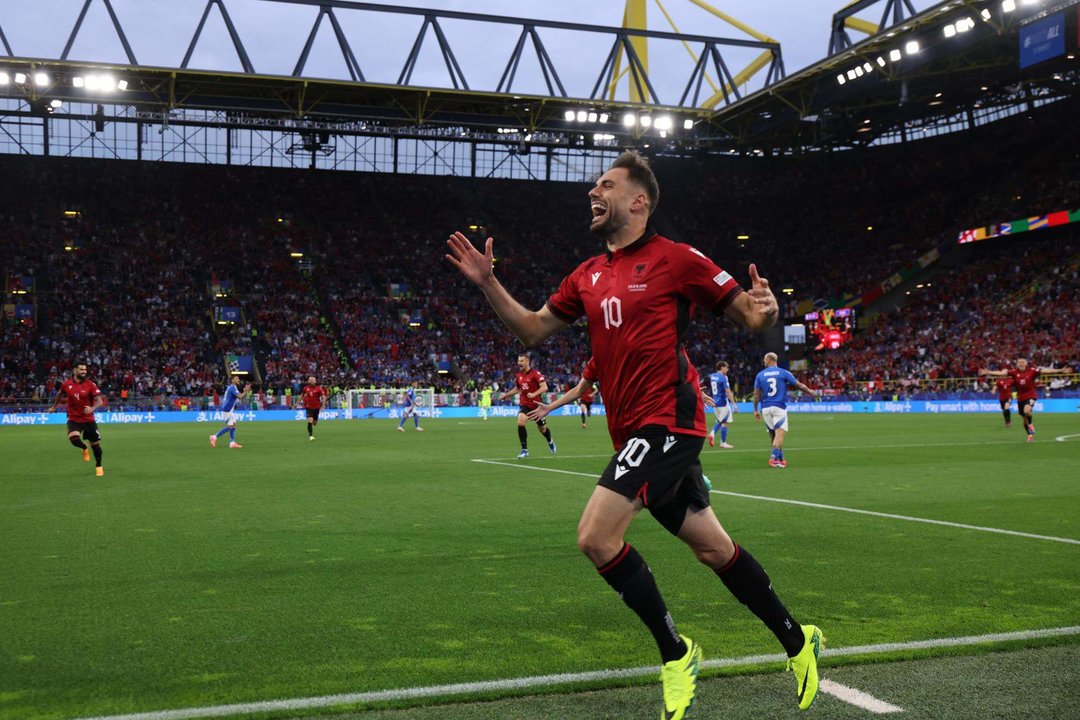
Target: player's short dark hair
{"points": [[721, 365], [637, 165]]}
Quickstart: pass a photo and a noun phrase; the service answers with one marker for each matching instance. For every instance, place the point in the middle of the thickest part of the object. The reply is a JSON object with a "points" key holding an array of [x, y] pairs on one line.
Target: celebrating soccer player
{"points": [[770, 391], [228, 408], [638, 297], [314, 401], [83, 399], [723, 404], [1004, 387], [1025, 378], [530, 385]]}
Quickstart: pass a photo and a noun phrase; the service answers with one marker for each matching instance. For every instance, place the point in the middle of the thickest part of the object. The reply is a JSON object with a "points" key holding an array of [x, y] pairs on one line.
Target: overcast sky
{"points": [[273, 33]]}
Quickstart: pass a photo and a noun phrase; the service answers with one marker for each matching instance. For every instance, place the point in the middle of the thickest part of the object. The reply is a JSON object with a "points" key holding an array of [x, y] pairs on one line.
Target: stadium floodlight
{"points": [[56, 104], [663, 134], [93, 82], [950, 31], [20, 78], [78, 81], [41, 79], [868, 67], [1008, 5], [4, 79], [568, 115], [582, 116], [646, 121], [604, 117], [108, 83], [1029, 2], [894, 55], [687, 124], [985, 15], [592, 117], [851, 75], [912, 47], [629, 120], [881, 61], [841, 79], [122, 85], [964, 24], [664, 123], [859, 72]]}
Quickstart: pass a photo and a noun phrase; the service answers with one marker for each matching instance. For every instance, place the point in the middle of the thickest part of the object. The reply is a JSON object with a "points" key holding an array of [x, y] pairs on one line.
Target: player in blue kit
{"points": [[228, 408], [770, 390], [408, 402], [723, 404]]}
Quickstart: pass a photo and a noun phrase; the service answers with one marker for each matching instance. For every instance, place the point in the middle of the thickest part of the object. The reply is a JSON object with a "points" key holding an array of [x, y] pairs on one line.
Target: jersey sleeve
{"points": [[540, 378], [759, 384], [701, 280], [94, 390], [590, 373], [790, 379], [566, 302]]}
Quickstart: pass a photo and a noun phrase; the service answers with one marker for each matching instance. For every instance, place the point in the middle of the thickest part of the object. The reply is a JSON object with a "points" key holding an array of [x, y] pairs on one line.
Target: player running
{"points": [[228, 409], [1026, 381], [408, 401], [314, 400], [583, 388], [1004, 387], [530, 385], [770, 390], [723, 404], [83, 400], [638, 298]]}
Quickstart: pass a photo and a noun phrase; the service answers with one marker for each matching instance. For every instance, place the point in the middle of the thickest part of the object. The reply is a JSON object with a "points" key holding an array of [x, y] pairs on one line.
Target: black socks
{"points": [[523, 437], [77, 442], [97, 454], [750, 585], [629, 576]]}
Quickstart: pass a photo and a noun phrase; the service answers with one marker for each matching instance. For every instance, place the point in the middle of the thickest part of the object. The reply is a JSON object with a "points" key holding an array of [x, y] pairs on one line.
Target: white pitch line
{"points": [[1063, 438], [457, 689], [858, 698], [821, 506], [805, 449]]}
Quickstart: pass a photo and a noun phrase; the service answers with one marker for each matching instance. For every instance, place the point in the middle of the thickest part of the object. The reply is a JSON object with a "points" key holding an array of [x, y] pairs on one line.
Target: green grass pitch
{"points": [[372, 560]]}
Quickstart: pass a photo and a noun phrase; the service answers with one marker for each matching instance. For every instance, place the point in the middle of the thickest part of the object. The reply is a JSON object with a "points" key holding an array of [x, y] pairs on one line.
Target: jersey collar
{"points": [[633, 247]]}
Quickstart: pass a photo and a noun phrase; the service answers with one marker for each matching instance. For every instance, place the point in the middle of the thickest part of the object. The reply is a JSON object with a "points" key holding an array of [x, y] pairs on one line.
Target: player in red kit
{"points": [[530, 385], [1004, 387], [639, 297], [83, 399], [583, 389], [1026, 381], [314, 400]]}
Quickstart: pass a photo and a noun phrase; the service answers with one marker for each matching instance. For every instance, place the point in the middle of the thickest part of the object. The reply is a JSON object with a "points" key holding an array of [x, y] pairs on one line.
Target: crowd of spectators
{"points": [[342, 275]]}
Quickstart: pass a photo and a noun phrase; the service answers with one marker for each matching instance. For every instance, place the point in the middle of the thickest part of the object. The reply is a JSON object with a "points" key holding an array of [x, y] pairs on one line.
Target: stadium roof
{"points": [[886, 92]]}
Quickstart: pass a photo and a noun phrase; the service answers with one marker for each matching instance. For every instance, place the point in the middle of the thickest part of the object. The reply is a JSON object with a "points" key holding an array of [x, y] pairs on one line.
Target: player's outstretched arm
{"points": [[992, 373], [568, 397], [756, 309], [709, 402], [806, 389], [531, 327]]}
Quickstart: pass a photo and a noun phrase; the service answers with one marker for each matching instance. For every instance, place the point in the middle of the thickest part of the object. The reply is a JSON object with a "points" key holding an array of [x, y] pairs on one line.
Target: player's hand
{"points": [[466, 258], [87, 410], [764, 300], [757, 414], [539, 412], [709, 402]]}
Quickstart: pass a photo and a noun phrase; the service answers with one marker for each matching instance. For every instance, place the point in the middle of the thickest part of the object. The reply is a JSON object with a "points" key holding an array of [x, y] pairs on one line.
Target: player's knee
{"points": [[597, 546], [714, 557]]}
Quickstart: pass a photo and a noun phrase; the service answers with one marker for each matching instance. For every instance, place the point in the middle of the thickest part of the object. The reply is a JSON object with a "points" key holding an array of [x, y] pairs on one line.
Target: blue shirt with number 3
{"points": [[773, 384]]}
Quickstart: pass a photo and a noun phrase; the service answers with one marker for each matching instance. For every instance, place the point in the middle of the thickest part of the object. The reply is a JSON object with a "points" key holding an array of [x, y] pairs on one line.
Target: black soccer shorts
{"points": [[313, 414], [664, 470], [89, 431]]}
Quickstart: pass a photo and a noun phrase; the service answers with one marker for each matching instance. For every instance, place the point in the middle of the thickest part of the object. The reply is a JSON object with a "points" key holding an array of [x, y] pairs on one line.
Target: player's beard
{"points": [[611, 224]]}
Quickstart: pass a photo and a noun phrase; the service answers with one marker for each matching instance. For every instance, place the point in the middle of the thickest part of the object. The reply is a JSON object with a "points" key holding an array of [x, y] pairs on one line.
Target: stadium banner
{"points": [[241, 364], [227, 314], [215, 417], [1042, 40], [1037, 222]]}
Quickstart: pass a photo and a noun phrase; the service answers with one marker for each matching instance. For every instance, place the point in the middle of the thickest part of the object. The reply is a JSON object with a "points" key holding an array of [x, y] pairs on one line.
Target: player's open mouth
{"points": [[598, 209]]}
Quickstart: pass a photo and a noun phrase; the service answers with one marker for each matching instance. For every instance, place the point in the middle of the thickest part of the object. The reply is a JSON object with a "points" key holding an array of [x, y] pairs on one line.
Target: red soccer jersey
{"points": [[639, 301], [589, 374], [1025, 383], [79, 395], [528, 382], [313, 396], [1004, 388]]}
